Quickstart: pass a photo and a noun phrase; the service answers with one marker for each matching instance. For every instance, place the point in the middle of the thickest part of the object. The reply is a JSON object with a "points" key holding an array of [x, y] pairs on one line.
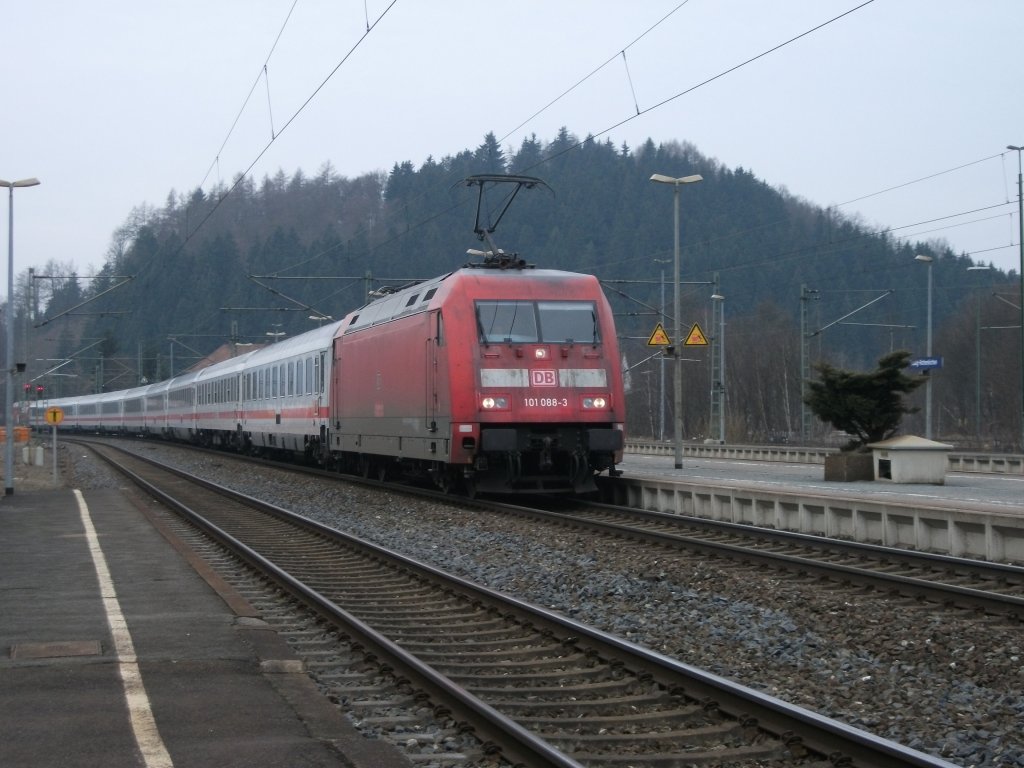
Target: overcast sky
{"points": [[114, 103]]}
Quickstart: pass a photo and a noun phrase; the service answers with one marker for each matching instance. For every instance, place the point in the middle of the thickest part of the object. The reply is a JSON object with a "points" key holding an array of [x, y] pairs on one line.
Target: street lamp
{"points": [[9, 358], [1020, 241], [928, 352], [678, 332]]}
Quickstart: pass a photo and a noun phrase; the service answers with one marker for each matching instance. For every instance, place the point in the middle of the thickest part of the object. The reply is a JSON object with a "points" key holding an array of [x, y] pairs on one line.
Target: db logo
{"points": [[543, 378]]}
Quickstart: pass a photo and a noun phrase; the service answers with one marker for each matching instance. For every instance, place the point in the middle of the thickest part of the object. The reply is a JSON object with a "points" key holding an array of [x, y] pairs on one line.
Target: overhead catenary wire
{"points": [[262, 73], [274, 134], [370, 26], [639, 112]]}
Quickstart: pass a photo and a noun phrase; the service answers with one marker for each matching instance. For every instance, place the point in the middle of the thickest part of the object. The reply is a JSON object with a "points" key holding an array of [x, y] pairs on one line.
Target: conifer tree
{"points": [[869, 406]]}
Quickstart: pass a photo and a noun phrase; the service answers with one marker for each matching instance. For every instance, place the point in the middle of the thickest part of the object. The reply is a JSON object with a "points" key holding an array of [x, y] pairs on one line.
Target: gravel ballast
{"points": [[943, 681]]}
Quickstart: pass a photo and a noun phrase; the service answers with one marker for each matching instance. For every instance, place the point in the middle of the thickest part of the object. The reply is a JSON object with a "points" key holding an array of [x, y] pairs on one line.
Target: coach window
{"points": [[309, 375], [300, 378], [291, 378]]}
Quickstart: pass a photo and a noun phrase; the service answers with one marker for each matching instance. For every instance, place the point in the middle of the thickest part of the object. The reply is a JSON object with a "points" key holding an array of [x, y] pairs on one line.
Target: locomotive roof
{"points": [[417, 297]]}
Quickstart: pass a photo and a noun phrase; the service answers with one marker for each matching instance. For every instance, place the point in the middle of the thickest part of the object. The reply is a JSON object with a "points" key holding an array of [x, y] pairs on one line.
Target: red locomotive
{"points": [[495, 379]]}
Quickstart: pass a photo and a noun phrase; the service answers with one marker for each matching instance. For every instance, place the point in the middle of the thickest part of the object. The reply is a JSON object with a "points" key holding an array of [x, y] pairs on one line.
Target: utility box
{"points": [[910, 459]]}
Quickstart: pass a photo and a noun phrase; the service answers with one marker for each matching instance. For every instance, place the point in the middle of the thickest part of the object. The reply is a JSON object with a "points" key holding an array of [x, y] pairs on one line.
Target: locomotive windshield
{"points": [[550, 322]]}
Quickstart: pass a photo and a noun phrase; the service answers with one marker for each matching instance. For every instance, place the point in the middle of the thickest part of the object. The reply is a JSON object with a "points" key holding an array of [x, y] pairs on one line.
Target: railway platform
{"points": [[974, 515], [118, 646]]}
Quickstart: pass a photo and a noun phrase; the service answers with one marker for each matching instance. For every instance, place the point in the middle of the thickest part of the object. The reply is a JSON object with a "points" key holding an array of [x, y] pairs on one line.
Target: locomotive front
{"points": [[547, 398]]}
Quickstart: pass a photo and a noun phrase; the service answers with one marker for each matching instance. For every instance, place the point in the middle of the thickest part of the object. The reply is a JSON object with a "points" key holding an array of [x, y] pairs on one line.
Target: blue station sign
{"points": [[926, 363]]}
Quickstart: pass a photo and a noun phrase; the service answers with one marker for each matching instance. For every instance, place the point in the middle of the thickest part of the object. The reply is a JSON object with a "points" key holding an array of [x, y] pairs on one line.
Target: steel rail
{"points": [[816, 733], [515, 742], [1011, 606]]}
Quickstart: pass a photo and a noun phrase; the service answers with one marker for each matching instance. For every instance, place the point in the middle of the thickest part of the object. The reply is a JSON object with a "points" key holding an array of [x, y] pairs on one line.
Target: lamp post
{"points": [[1020, 241], [676, 311], [9, 357], [928, 384]]}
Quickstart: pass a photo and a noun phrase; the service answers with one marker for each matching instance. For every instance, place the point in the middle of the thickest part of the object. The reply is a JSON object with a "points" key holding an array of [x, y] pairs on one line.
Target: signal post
{"points": [[54, 416]]}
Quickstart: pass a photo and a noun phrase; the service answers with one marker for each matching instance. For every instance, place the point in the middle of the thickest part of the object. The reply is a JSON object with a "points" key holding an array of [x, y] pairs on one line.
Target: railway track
{"points": [[993, 588], [535, 687]]}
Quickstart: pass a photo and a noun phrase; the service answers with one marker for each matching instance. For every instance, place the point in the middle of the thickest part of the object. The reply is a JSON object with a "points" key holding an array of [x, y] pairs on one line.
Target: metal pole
{"points": [[678, 338], [677, 342], [9, 356], [977, 371], [1020, 241], [661, 413], [721, 381], [718, 364], [928, 385], [928, 352], [9, 353]]}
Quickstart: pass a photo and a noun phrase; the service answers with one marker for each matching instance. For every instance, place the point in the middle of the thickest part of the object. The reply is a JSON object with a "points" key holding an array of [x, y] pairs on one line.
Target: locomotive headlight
{"points": [[540, 353], [595, 403], [497, 403]]}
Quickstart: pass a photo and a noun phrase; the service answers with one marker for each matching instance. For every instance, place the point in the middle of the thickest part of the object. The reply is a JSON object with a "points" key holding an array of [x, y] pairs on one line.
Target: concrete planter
{"points": [[845, 467]]}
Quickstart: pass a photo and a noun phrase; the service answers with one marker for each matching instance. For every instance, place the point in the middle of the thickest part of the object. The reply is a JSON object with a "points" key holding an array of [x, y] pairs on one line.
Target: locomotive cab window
{"points": [[552, 322], [568, 321], [506, 321]]}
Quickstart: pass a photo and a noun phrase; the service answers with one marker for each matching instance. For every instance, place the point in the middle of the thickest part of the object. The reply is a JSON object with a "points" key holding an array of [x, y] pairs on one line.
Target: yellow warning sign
{"points": [[659, 338], [54, 415], [696, 337]]}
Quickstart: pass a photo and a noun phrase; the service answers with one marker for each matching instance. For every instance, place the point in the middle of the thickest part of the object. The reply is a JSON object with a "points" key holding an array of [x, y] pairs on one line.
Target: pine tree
{"points": [[868, 406]]}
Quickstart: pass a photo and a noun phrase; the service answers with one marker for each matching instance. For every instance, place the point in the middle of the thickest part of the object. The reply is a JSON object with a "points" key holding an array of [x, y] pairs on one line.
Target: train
{"points": [[491, 379], [495, 378]]}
